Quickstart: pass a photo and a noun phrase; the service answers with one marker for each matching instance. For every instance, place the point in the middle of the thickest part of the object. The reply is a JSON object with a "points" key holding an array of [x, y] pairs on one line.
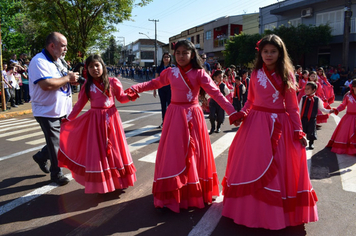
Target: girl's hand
{"points": [[154, 93], [303, 141]]}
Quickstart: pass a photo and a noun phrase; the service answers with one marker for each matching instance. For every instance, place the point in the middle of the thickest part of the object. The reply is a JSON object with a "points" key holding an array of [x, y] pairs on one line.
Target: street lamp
{"points": [[144, 34]]}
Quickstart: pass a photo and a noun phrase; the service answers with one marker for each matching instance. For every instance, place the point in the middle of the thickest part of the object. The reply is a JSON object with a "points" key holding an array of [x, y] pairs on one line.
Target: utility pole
{"points": [[155, 58], [346, 43]]}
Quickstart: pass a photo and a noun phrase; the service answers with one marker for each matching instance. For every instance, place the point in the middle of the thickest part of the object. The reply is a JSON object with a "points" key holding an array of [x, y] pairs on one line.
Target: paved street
{"points": [[31, 205]]}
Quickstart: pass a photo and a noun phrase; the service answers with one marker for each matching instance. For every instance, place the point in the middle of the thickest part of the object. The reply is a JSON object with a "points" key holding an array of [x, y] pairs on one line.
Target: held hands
{"points": [[132, 94], [237, 118], [334, 110]]}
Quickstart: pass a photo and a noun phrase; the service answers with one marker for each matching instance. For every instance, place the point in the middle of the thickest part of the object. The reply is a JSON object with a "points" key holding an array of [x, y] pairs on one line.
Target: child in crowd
{"points": [[303, 80], [343, 140], [229, 86], [326, 86], [266, 184], [309, 106], [245, 80], [185, 173], [239, 92], [217, 114], [93, 146], [298, 72]]}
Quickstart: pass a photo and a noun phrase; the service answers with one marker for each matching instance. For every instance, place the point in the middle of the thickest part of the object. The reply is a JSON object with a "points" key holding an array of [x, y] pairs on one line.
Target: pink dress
{"points": [[185, 173], [267, 184], [343, 140], [327, 88], [93, 146]]}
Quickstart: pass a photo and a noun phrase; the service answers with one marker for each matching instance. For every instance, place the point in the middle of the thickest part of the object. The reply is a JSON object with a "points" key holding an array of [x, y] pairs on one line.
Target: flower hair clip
{"points": [[258, 45]]}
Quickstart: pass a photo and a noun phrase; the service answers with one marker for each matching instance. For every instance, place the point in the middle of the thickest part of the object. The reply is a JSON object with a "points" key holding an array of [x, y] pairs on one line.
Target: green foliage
{"points": [[303, 39], [300, 40], [112, 54], [240, 49]]}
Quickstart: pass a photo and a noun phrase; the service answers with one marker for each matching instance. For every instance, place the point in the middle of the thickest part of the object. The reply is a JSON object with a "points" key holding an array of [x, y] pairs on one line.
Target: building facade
{"points": [[316, 12]]}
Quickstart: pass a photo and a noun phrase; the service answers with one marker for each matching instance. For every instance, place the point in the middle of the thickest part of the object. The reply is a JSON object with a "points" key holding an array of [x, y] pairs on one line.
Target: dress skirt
{"points": [[185, 173], [267, 183], [343, 140], [94, 148]]}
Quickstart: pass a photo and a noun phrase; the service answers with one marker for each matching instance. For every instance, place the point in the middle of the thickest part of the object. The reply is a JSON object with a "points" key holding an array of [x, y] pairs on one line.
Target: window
{"points": [[334, 19], [295, 22], [147, 54], [208, 35], [192, 39], [198, 38], [271, 26]]}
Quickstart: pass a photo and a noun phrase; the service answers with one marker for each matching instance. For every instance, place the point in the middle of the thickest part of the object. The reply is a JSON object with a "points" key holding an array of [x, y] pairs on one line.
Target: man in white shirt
{"points": [[51, 100]]}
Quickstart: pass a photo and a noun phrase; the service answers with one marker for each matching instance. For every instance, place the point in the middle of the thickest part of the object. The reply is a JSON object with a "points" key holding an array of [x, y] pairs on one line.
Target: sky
{"points": [[175, 16]]}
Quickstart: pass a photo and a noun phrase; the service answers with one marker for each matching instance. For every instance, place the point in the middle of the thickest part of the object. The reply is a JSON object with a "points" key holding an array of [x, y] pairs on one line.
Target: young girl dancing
{"points": [[185, 174], [266, 184], [327, 87], [93, 146], [343, 140]]}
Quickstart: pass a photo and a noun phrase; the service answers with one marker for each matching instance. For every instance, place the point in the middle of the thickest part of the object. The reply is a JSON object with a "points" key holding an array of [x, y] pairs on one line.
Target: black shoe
{"points": [[311, 146], [8, 108], [160, 126], [211, 131], [218, 131], [60, 180], [42, 164]]}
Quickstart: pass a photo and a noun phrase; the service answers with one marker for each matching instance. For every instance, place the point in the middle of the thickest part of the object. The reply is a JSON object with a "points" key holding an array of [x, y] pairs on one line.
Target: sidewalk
{"points": [[25, 109]]}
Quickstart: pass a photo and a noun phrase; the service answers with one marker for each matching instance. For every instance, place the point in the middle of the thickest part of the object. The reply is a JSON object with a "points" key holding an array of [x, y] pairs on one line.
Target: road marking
{"points": [[138, 111], [30, 196], [219, 146], [25, 136], [144, 142], [347, 167], [8, 121], [18, 126], [138, 118], [19, 122], [37, 141], [126, 125], [210, 220], [140, 130], [21, 153], [18, 131]]}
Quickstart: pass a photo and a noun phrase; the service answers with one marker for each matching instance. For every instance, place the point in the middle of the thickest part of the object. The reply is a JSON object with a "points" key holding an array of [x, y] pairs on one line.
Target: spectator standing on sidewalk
{"points": [[51, 98], [7, 86]]}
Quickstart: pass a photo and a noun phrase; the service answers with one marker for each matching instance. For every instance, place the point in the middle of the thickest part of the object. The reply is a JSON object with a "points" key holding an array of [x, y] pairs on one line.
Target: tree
{"points": [[303, 39], [83, 22], [112, 54], [240, 49]]}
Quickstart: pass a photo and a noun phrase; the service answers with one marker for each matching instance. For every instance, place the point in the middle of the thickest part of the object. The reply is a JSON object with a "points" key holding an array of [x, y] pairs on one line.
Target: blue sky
{"points": [[176, 16]]}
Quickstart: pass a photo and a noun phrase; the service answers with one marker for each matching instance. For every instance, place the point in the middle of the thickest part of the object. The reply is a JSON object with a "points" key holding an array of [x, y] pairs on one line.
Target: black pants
{"points": [[309, 127], [165, 98], [50, 128]]}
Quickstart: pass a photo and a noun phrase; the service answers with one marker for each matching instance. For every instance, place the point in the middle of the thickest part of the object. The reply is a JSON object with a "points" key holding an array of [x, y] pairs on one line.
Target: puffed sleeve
{"points": [[211, 88], [78, 107], [119, 91], [344, 103], [156, 83]]}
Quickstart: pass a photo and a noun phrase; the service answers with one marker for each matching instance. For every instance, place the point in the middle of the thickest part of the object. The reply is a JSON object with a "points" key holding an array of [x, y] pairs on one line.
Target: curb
{"points": [[15, 113]]}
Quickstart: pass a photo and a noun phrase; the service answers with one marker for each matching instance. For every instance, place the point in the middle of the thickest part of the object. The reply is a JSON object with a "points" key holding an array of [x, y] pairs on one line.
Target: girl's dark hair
{"points": [[104, 76], [196, 61], [353, 83], [312, 84], [170, 59], [284, 66], [216, 73], [305, 72]]}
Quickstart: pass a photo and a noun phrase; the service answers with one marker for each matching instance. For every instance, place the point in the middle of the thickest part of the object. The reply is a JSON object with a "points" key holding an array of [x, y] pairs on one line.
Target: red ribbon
{"points": [[183, 71], [273, 81], [101, 87]]}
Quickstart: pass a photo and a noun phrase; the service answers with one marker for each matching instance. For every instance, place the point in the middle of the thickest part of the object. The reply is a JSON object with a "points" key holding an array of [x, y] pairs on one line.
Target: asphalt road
{"points": [[31, 205]]}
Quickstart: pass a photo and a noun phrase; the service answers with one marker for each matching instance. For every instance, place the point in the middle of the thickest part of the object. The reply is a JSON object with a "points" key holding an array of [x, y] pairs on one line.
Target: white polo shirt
{"points": [[52, 104]]}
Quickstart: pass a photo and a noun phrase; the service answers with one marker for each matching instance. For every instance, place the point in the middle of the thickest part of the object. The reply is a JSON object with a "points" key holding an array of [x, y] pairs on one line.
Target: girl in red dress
{"points": [[267, 184], [327, 87], [343, 140], [185, 173], [93, 146]]}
